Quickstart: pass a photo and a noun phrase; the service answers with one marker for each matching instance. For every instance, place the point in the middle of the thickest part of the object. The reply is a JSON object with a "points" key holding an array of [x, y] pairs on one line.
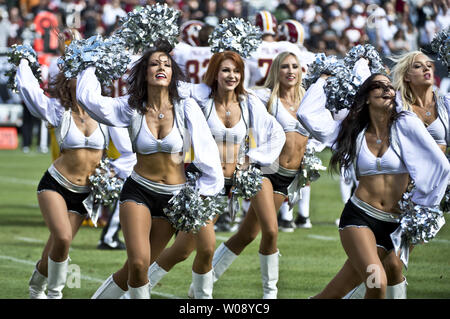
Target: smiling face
{"points": [[382, 93], [159, 70], [229, 75], [421, 71], [289, 73]]}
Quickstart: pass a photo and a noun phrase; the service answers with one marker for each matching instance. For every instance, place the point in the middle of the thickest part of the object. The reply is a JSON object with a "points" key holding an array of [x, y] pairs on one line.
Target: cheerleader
{"points": [[65, 185], [161, 127], [281, 95], [230, 112], [386, 149], [413, 78]]}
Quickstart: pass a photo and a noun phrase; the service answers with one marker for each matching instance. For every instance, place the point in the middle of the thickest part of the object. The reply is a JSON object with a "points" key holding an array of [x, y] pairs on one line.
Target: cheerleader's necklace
{"points": [[160, 115]]}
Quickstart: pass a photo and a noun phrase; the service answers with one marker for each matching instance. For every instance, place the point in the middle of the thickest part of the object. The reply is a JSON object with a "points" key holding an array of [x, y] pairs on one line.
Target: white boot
{"points": [[203, 285], [356, 293], [37, 285], [155, 274], [269, 274], [397, 291], [109, 290], [222, 259], [392, 292], [57, 276], [142, 292]]}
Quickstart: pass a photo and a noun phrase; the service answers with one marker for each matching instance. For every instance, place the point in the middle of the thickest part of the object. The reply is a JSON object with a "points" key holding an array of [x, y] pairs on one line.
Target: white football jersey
{"points": [[192, 60], [258, 64]]}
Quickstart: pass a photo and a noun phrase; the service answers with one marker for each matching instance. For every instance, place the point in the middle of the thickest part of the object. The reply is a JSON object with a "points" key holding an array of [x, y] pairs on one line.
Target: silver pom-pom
{"points": [[341, 88], [235, 34], [105, 187], [247, 182], [311, 165], [17, 53], [342, 84], [105, 190], [322, 64], [309, 172], [188, 211], [418, 225], [441, 46], [368, 52], [143, 27], [107, 55]]}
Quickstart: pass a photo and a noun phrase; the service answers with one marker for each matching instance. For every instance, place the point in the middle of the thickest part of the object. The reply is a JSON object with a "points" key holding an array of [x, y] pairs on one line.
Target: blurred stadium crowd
{"points": [[331, 27]]}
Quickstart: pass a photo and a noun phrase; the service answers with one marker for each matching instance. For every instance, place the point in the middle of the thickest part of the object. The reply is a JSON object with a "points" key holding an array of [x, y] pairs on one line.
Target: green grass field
{"points": [[310, 258]]}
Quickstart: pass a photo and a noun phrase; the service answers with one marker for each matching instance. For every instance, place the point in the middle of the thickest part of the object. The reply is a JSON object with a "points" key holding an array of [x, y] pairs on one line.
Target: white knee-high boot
{"points": [[397, 291], [37, 285], [109, 290], [142, 292], [269, 274], [222, 259], [392, 292], [203, 285], [356, 293], [303, 203], [155, 274], [285, 212], [57, 276]]}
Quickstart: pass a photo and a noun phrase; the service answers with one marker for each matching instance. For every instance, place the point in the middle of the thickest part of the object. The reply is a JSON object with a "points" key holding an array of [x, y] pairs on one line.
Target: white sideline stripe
{"points": [[29, 240], [222, 238], [16, 180], [320, 237], [442, 241], [34, 240], [89, 278]]}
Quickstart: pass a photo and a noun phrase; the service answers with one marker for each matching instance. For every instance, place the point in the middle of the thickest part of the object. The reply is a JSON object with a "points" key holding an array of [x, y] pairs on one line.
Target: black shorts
{"points": [[356, 217], [74, 201], [280, 183], [155, 202]]}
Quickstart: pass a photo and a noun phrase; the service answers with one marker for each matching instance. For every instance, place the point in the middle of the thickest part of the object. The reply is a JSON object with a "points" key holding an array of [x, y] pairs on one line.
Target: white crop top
{"points": [[288, 122], [76, 139], [437, 131], [221, 133], [147, 144], [389, 163]]}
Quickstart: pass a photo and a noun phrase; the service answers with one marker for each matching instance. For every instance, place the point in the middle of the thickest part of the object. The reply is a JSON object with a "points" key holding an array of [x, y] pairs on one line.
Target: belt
{"points": [[374, 212], [156, 187], [64, 182]]}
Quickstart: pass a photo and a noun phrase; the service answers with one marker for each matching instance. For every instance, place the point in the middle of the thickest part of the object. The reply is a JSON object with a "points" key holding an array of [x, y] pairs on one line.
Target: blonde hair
{"points": [[273, 82], [403, 64]]}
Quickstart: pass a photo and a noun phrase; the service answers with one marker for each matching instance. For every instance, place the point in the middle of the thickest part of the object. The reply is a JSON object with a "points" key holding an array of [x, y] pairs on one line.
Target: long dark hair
{"points": [[59, 88], [357, 119], [138, 84]]}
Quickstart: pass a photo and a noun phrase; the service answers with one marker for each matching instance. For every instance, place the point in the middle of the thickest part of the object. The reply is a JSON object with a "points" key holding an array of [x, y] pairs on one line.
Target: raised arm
{"points": [[267, 133], [104, 109], [199, 92], [127, 159], [315, 117], [40, 105], [426, 163]]}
